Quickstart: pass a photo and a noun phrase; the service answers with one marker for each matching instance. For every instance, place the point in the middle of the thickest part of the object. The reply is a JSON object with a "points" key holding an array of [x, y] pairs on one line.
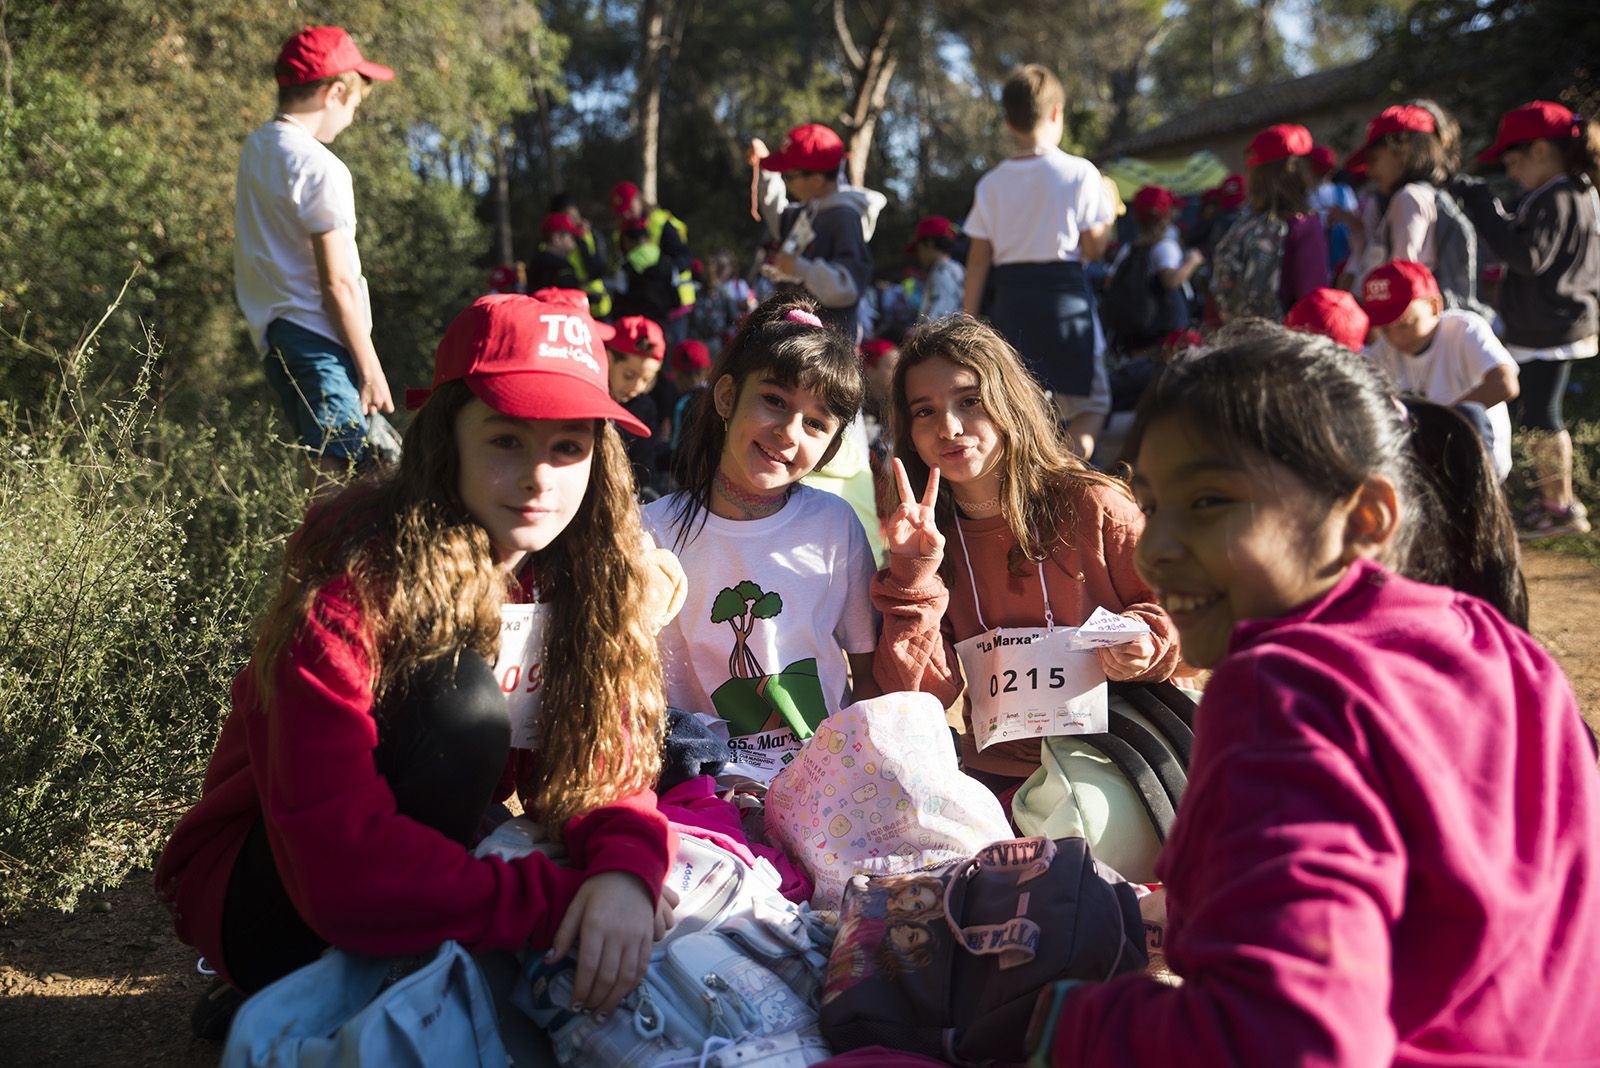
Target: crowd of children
{"points": [[1387, 850]]}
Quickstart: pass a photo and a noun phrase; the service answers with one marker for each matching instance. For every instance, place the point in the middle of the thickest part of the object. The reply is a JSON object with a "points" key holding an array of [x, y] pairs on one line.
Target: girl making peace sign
{"points": [[1039, 538]]}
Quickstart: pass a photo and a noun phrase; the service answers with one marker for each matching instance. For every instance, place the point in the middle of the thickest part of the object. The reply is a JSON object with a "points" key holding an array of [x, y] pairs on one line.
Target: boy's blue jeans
{"points": [[315, 379]]}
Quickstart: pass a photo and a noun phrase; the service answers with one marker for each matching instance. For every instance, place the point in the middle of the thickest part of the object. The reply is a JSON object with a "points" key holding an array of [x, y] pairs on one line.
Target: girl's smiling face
{"points": [[1230, 537], [776, 434], [522, 479], [950, 427]]}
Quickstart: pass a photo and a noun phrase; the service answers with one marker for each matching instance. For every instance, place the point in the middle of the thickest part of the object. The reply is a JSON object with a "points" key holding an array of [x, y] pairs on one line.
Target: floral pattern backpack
{"points": [[1247, 266]]}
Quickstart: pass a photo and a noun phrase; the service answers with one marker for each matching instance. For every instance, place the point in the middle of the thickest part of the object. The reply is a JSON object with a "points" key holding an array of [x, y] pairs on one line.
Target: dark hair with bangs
{"points": [[769, 345], [1324, 412], [1280, 188]]}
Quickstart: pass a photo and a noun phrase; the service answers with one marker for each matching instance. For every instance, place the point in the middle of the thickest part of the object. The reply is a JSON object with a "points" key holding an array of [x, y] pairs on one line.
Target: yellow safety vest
{"points": [[654, 224], [599, 296]]}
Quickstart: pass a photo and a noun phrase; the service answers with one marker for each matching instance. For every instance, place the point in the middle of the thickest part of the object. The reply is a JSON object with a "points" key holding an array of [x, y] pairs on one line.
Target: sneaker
{"points": [[1547, 522], [213, 1013]]}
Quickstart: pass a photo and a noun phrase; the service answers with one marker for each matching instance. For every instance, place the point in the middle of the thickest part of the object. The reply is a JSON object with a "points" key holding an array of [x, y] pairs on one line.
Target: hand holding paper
{"points": [[1104, 628], [1124, 643]]}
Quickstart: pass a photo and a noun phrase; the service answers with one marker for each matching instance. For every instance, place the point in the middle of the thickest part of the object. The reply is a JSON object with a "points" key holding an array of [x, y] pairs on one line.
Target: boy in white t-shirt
{"points": [[1448, 357], [1035, 219], [297, 272]]}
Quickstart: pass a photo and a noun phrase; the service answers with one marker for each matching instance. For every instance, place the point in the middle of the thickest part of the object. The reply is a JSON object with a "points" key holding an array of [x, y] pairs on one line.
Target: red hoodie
{"points": [[361, 875]]}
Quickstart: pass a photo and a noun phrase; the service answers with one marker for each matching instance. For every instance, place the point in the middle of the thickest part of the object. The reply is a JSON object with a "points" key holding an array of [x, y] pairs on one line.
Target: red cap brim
{"points": [[376, 71], [529, 395]]}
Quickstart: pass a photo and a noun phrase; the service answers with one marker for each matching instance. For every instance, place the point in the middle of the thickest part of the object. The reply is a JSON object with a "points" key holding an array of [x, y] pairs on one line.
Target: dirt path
{"points": [[109, 984]]}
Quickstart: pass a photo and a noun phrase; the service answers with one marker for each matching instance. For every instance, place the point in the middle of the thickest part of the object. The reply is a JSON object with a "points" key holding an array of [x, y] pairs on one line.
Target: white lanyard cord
{"points": [[966, 558]]}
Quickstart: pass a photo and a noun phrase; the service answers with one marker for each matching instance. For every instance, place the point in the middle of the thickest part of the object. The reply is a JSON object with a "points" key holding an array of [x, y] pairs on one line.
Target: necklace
{"points": [[972, 508], [752, 505]]}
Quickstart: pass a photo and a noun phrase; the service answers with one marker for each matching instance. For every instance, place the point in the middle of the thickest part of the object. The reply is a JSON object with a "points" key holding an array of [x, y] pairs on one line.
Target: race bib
{"points": [[520, 667], [1033, 682]]}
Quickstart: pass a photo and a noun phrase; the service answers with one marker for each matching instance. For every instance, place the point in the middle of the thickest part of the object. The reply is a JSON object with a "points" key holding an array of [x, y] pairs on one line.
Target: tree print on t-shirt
{"points": [[752, 700]]}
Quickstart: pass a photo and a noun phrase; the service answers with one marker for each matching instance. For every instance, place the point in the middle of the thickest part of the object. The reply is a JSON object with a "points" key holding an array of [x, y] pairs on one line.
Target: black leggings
{"points": [[1539, 404], [443, 741]]}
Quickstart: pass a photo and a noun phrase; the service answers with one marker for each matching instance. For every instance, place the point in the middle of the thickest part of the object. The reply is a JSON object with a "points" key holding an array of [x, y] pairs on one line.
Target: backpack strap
{"points": [[1168, 769], [1128, 760], [1169, 710]]}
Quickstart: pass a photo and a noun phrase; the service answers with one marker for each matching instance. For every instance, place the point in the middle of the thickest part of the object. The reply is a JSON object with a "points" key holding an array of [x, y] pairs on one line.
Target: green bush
{"points": [[137, 552]]}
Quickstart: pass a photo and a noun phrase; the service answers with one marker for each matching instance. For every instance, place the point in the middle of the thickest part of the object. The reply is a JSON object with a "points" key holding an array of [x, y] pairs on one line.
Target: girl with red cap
{"points": [[370, 735], [1276, 253], [1410, 151], [1549, 297]]}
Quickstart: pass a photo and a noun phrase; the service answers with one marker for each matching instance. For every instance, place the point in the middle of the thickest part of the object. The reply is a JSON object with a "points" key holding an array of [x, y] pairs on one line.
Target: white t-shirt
{"points": [[289, 187], [772, 607], [1463, 351], [1032, 209]]}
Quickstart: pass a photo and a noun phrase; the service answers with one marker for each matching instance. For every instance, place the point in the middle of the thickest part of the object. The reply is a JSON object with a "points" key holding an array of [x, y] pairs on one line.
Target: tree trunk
{"points": [[502, 198], [652, 32], [872, 73], [1264, 50]]}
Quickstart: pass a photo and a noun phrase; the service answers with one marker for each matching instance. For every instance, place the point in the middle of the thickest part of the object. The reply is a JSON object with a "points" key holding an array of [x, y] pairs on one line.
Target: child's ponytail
{"points": [[1466, 538], [1581, 152]]}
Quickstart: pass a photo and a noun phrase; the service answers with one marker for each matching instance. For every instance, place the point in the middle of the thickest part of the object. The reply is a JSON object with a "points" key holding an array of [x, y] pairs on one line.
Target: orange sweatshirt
{"points": [[927, 607]]}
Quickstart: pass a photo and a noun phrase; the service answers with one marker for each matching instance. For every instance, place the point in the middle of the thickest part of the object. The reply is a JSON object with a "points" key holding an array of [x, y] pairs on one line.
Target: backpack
{"points": [[1119, 790], [741, 970], [949, 961], [1247, 266], [1133, 302], [1455, 254]]}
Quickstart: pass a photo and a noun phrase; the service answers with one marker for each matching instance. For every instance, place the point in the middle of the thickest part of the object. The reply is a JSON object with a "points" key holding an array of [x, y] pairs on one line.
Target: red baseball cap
{"points": [[875, 350], [1152, 200], [690, 355], [1324, 160], [1231, 194], [633, 224], [622, 197], [533, 357], [931, 226], [1184, 339], [638, 336], [1278, 142], [1532, 122], [559, 222], [812, 147], [503, 276], [1331, 313], [1398, 119], [1389, 290], [318, 52]]}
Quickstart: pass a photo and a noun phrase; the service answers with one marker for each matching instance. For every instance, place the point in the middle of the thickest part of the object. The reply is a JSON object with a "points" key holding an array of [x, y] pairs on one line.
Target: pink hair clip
{"points": [[800, 315]]}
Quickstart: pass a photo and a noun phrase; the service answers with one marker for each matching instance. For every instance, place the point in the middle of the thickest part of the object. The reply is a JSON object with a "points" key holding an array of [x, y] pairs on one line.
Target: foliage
{"points": [[136, 552]]}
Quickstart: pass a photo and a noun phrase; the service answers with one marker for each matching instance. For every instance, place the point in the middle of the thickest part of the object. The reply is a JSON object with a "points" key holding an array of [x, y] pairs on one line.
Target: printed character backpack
{"points": [[948, 961], [1247, 266]]}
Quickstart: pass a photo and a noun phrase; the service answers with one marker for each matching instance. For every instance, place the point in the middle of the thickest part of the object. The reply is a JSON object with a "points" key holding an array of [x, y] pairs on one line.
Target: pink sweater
{"points": [[364, 877], [1388, 853], [928, 608]]}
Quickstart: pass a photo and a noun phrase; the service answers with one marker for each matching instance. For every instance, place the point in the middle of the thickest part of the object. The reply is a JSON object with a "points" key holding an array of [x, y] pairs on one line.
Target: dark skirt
{"points": [[1045, 311]]}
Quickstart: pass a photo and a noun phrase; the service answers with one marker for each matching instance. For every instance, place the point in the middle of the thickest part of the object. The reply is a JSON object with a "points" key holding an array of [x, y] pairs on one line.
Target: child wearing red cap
{"points": [[587, 258], [1036, 219], [1277, 252], [296, 269], [1449, 357], [551, 265], [370, 733], [1331, 195], [822, 227], [670, 236], [648, 286], [1410, 151], [689, 365], [946, 282], [1143, 307], [1551, 288], [636, 347]]}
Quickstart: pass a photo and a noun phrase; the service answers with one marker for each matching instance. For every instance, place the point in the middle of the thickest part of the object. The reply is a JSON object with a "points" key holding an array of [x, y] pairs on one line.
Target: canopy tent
{"points": [[1184, 177]]}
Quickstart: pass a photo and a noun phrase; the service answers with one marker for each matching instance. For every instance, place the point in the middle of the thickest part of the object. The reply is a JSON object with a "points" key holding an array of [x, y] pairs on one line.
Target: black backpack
{"points": [[1134, 301]]}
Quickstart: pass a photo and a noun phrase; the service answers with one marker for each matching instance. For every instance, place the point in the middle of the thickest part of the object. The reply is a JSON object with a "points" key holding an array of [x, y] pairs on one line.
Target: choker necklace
{"points": [[972, 508], [753, 505]]}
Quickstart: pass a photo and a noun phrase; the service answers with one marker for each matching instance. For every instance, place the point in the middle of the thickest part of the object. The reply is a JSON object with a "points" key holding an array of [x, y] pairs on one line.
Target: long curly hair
{"points": [[1037, 471], [423, 577]]}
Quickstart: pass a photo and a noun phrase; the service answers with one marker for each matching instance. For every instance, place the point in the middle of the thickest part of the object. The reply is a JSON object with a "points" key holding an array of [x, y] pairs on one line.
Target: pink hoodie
{"points": [[1388, 852]]}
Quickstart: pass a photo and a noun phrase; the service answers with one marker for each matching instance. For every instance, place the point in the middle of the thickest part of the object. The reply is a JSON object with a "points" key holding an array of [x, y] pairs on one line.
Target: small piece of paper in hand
{"points": [[1105, 628]]}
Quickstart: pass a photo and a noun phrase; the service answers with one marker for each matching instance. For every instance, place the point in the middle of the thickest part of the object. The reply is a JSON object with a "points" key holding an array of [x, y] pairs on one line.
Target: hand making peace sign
{"points": [[910, 530]]}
